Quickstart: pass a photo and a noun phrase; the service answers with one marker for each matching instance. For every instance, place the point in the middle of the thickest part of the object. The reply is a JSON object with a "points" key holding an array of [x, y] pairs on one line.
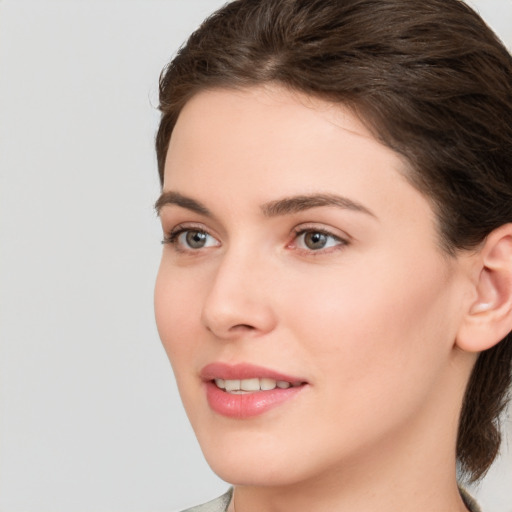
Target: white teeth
{"points": [[232, 385], [267, 384], [250, 385]]}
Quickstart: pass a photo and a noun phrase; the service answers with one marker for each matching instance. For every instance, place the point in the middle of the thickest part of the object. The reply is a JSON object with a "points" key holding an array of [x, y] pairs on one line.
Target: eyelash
{"points": [[302, 231], [173, 236], [173, 239]]}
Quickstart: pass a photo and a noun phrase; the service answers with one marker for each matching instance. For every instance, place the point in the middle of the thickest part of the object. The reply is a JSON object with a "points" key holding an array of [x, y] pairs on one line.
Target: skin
{"points": [[369, 320]]}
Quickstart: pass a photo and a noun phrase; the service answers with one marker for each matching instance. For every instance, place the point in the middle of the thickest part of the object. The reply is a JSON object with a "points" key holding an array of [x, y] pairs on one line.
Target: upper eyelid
{"points": [[341, 240], [170, 223], [171, 235], [325, 231], [189, 226], [322, 228]]}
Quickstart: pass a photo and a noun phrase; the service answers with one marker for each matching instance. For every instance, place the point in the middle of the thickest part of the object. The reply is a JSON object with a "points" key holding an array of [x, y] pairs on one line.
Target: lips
{"points": [[244, 391]]}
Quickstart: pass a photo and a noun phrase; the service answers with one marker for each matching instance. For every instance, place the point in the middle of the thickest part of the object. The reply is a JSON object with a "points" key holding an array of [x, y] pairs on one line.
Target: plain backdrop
{"points": [[90, 419]]}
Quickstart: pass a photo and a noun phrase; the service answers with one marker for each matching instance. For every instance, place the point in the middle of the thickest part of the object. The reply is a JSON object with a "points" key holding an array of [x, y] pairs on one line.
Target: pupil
{"points": [[315, 240], [196, 239]]}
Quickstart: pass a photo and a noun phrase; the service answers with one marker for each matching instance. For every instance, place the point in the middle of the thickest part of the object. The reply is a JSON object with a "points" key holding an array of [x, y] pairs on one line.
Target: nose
{"points": [[239, 301]]}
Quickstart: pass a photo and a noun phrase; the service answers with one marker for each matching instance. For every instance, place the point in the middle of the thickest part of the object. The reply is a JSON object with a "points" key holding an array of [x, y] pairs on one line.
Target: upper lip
{"points": [[241, 371]]}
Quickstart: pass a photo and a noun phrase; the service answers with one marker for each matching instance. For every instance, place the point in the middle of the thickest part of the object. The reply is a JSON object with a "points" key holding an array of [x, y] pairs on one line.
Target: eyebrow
{"points": [[284, 206], [178, 199], [300, 203]]}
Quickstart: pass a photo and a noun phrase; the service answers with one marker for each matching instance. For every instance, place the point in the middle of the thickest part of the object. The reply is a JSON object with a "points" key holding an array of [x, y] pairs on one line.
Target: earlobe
{"points": [[489, 318]]}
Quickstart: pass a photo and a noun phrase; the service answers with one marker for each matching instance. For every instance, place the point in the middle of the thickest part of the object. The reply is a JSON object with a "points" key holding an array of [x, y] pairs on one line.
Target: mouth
{"points": [[254, 385], [244, 391]]}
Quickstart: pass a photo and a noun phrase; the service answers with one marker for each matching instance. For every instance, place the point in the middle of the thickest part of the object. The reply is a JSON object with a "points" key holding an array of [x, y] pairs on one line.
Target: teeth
{"points": [[250, 385], [232, 385], [267, 384]]}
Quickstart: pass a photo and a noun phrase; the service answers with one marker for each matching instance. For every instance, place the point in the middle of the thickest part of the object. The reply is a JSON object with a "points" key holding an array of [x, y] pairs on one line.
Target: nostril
{"points": [[242, 327], [239, 328]]}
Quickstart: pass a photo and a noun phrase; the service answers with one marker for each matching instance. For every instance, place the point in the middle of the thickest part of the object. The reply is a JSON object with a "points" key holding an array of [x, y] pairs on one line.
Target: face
{"points": [[303, 300]]}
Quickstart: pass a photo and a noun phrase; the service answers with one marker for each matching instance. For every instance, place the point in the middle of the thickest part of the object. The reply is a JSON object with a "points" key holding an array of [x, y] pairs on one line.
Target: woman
{"points": [[335, 291]]}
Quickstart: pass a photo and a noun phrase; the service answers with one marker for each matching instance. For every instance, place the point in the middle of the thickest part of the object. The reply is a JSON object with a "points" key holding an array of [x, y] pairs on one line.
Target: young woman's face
{"points": [[302, 298]]}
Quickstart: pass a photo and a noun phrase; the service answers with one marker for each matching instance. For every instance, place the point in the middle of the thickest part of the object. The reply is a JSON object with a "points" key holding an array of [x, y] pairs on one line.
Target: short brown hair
{"points": [[430, 80]]}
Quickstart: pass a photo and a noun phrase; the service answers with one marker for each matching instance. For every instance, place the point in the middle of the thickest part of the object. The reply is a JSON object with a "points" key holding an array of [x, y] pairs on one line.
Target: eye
{"points": [[195, 239], [316, 240], [191, 239]]}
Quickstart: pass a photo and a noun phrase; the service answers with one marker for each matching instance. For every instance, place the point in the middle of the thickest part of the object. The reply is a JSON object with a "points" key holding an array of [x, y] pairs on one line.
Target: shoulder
{"points": [[219, 504]]}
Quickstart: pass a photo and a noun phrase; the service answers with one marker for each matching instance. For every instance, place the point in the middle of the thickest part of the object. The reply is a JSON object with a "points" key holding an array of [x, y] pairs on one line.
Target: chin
{"points": [[263, 459], [244, 459], [238, 471]]}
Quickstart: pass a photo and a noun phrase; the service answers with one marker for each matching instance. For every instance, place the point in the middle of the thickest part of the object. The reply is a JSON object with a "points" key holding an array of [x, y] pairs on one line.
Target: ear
{"points": [[489, 318]]}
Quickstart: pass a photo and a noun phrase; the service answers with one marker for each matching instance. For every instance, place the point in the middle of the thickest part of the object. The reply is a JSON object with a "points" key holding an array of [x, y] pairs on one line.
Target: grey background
{"points": [[90, 419]]}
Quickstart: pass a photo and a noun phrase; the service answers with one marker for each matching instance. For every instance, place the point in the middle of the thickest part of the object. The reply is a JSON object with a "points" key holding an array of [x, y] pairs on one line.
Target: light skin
{"points": [[295, 243]]}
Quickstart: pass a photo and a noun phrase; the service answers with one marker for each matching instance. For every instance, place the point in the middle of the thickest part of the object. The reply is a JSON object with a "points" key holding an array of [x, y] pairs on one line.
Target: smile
{"points": [[237, 386], [234, 391]]}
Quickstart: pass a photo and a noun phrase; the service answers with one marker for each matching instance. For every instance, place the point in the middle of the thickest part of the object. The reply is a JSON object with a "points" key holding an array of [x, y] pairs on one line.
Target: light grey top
{"points": [[221, 503], [469, 500]]}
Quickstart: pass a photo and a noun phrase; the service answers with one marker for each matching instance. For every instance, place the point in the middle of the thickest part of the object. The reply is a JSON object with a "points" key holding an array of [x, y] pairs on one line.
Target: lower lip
{"points": [[247, 405]]}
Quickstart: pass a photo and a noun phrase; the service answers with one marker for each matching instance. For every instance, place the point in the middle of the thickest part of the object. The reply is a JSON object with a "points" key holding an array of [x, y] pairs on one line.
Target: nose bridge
{"points": [[237, 301]]}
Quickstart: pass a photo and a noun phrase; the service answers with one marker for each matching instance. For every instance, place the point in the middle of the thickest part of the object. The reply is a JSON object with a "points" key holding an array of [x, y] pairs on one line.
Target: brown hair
{"points": [[430, 79]]}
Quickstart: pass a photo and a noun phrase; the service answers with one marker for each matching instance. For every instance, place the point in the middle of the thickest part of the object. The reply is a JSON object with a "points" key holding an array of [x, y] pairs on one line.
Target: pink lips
{"points": [[249, 404]]}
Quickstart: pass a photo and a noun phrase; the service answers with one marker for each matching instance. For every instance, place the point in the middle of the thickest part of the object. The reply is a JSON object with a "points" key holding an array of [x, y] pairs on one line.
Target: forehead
{"points": [[269, 124], [264, 103]]}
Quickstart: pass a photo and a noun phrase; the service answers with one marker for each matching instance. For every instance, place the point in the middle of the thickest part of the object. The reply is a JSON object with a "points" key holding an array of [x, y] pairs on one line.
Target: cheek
{"points": [[372, 335], [176, 312]]}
